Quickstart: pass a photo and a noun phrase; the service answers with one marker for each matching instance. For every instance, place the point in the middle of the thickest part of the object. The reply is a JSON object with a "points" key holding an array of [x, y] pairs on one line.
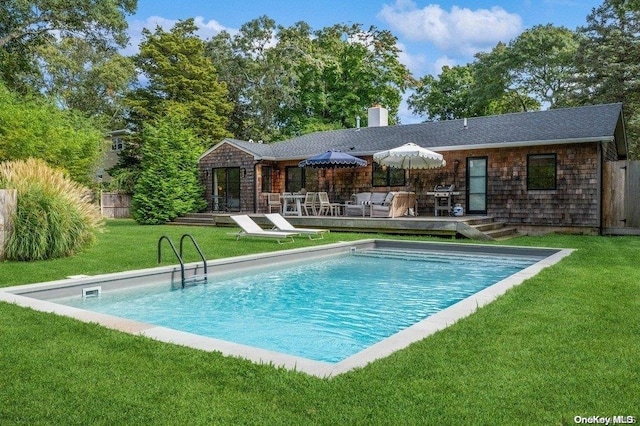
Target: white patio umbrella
{"points": [[409, 156]]}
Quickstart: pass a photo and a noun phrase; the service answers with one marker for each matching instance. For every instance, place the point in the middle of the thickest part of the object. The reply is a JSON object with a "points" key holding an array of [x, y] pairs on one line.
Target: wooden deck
{"points": [[474, 227]]}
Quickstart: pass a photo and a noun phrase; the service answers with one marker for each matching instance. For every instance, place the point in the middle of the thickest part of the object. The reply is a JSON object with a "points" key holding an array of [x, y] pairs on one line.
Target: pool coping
{"points": [[23, 296]]}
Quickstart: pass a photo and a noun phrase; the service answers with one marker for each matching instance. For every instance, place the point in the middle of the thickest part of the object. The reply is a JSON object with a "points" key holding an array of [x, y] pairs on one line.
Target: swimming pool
{"points": [[354, 304]]}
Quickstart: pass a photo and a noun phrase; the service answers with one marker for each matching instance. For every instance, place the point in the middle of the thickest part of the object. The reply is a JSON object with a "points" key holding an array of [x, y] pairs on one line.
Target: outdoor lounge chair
{"points": [[281, 224], [252, 229]]}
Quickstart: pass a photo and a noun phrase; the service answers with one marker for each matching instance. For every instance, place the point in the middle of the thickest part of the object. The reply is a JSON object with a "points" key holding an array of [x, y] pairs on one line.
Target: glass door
{"points": [[477, 185], [226, 189]]}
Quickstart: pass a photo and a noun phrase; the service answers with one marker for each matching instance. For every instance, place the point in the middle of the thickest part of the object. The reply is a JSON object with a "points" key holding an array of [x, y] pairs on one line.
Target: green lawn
{"points": [[565, 343]]}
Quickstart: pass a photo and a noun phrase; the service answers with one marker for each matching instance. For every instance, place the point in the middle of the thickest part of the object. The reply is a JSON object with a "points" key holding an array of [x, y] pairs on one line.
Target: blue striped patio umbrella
{"points": [[333, 160]]}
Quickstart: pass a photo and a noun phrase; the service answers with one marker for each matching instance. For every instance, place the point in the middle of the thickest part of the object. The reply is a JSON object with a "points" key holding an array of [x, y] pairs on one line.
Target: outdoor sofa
{"points": [[381, 204]]}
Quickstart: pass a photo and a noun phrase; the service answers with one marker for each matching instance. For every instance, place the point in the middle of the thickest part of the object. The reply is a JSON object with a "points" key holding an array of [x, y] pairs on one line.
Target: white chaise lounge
{"points": [[282, 224], [252, 229]]}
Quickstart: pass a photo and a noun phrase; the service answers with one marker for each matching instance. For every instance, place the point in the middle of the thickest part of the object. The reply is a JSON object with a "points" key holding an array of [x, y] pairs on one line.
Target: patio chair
{"points": [[281, 224], [325, 204], [252, 229], [309, 203], [273, 201]]}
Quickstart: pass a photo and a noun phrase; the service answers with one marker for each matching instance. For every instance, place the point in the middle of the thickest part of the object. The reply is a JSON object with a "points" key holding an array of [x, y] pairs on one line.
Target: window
{"points": [[541, 171], [387, 176], [267, 183], [294, 179], [297, 178], [117, 144]]}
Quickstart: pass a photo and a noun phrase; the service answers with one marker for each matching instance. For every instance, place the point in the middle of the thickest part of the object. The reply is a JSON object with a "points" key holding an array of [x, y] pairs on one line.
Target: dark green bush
{"points": [[168, 185]]}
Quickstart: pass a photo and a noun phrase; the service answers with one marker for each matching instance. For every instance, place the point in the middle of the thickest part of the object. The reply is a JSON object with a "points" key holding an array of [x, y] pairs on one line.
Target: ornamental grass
{"points": [[55, 216]]}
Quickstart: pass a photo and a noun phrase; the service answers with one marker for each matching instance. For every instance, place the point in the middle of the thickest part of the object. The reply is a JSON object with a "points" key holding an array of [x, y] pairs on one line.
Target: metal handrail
{"points": [[204, 261], [164, 237]]}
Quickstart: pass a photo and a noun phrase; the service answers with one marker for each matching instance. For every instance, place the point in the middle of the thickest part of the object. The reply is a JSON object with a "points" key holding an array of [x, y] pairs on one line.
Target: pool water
{"points": [[324, 310]]}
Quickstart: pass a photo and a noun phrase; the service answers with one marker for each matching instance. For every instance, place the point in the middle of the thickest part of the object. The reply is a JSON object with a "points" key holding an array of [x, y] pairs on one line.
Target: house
{"points": [[114, 144], [542, 169]]}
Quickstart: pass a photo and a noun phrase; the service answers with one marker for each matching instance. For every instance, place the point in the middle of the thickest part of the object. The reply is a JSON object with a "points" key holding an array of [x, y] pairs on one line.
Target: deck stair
{"points": [[493, 229]]}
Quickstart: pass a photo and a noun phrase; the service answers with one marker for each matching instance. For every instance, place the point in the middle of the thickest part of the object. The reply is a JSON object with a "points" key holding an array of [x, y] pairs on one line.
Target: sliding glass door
{"points": [[226, 189]]}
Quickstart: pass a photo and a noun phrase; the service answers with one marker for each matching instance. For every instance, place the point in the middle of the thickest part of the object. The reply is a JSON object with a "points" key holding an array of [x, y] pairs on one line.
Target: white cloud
{"points": [[461, 30], [416, 63], [206, 30], [442, 62]]}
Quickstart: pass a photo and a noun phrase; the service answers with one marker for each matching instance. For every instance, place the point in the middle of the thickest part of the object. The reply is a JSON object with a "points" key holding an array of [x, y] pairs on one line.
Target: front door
{"points": [[477, 185]]}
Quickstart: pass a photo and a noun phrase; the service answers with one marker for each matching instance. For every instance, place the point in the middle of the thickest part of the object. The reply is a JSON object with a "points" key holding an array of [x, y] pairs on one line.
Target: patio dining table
{"points": [[292, 204]]}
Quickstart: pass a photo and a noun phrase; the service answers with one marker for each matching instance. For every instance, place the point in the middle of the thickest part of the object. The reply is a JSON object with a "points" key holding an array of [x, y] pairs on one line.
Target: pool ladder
{"points": [[193, 279]]}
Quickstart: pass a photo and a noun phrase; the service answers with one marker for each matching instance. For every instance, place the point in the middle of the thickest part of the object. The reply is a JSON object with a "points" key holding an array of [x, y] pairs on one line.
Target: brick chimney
{"points": [[377, 116]]}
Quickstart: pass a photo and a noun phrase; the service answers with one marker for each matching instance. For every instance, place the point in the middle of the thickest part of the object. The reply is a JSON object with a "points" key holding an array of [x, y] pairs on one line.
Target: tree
{"points": [[608, 63], [254, 76], [476, 89], [179, 76], [28, 26], [444, 98], [541, 63], [34, 128], [358, 68], [168, 185], [88, 79], [287, 81], [532, 71]]}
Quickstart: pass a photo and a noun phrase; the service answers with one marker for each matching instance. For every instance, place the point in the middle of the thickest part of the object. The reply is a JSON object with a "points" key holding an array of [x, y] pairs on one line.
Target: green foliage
{"points": [[285, 81], [608, 63], [88, 78], [541, 63], [180, 75], [484, 87], [55, 216], [168, 185], [27, 26], [444, 98], [31, 128]]}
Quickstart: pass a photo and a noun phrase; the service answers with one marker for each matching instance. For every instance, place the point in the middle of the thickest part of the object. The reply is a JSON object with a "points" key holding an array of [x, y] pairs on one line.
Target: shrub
{"points": [[168, 184], [33, 128], [55, 216]]}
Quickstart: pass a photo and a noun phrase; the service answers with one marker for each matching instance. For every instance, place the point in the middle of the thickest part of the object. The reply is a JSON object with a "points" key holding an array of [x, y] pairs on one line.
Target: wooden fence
{"points": [[8, 204], [114, 205], [621, 198]]}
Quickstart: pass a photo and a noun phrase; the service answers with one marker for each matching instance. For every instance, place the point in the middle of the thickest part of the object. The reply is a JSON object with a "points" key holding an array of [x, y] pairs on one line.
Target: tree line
{"points": [[269, 82]]}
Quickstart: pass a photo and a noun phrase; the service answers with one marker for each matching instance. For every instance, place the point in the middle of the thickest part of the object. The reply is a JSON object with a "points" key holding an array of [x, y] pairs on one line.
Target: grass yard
{"points": [[565, 343]]}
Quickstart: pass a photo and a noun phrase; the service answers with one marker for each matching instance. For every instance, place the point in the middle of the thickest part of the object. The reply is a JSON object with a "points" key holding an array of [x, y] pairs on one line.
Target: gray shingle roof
{"points": [[565, 125]]}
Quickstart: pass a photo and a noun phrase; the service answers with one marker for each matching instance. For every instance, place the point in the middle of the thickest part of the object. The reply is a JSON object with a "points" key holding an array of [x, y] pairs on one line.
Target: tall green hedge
{"points": [[168, 185], [55, 216]]}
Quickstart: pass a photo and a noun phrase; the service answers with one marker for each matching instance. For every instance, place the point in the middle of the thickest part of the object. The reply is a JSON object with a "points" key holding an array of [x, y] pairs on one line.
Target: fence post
{"points": [[8, 205]]}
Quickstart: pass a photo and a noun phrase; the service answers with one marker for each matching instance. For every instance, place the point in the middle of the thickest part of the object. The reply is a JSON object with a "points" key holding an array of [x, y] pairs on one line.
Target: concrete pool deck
{"points": [[36, 296]]}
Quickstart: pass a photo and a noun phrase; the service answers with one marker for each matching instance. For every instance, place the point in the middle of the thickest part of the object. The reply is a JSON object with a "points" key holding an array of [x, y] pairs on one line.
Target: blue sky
{"points": [[430, 34]]}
